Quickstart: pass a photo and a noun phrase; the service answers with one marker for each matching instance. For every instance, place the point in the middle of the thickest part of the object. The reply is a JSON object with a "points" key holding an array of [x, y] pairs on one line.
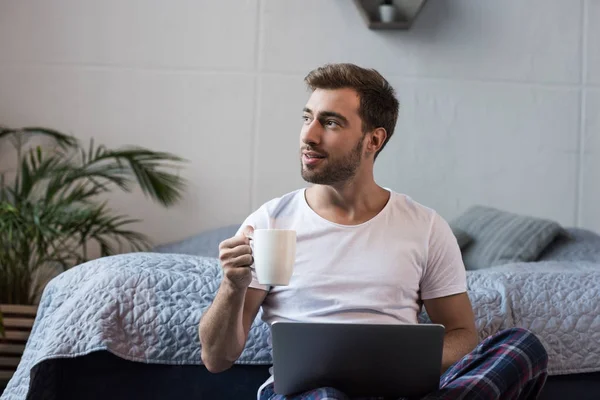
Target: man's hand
{"points": [[225, 324], [236, 258]]}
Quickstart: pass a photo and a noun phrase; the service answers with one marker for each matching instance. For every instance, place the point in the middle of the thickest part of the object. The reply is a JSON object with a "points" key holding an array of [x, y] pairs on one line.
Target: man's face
{"points": [[331, 140]]}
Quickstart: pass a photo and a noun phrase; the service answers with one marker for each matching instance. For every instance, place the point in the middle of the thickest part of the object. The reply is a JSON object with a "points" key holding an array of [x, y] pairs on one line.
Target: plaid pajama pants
{"points": [[508, 365]]}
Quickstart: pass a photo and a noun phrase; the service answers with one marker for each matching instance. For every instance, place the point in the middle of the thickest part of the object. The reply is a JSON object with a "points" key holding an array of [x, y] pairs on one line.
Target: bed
{"points": [[126, 326]]}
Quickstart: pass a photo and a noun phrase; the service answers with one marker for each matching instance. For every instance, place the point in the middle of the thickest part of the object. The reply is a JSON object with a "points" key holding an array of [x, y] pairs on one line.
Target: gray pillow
{"points": [[501, 237], [205, 244], [578, 244], [462, 237]]}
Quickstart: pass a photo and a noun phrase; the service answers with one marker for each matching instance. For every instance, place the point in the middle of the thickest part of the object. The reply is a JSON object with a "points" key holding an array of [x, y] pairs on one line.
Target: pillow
{"points": [[501, 237], [462, 237], [580, 245], [205, 244]]}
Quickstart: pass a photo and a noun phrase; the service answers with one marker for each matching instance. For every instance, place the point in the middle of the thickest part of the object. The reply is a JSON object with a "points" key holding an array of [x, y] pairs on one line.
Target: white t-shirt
{"points": [[375, 272]]}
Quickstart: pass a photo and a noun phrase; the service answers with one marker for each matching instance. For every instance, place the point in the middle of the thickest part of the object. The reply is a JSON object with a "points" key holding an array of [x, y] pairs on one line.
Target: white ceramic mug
{"points": [[274, 252]]}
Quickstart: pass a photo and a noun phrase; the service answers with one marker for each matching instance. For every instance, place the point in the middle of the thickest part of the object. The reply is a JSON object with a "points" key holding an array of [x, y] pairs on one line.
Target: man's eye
{"points": [[305, 118], [331, 123]]}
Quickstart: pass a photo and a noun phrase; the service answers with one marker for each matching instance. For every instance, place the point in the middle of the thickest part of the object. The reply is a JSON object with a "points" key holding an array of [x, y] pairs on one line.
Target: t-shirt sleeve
{"points": [[444, 273], [257, 220]]}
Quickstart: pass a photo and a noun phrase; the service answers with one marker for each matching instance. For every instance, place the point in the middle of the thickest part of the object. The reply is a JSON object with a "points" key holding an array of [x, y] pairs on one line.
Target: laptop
{"points": [[361, 360]]}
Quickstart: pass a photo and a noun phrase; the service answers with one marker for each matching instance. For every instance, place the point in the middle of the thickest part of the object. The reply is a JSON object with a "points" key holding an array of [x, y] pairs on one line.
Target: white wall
{"points": [[500, 99]]}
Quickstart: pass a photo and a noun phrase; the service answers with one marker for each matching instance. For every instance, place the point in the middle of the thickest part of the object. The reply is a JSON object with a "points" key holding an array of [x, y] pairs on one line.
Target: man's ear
{"points": [[376, 139]]}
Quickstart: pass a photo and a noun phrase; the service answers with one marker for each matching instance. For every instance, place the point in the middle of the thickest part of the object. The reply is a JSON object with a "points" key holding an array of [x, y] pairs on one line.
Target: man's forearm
{"points": [[221, 329], [457, 344]]}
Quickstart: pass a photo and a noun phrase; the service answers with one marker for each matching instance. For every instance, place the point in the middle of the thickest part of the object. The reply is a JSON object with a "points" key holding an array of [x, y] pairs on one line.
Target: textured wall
{"points": [[500, 100]]}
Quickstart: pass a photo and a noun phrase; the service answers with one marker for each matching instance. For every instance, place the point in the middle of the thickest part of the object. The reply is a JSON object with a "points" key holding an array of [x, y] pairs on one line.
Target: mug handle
{"points": [[250, 236]]}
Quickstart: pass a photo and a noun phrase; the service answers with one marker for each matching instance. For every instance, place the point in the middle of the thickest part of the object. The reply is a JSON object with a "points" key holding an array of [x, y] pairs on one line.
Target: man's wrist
{"points": [[232, 289]]}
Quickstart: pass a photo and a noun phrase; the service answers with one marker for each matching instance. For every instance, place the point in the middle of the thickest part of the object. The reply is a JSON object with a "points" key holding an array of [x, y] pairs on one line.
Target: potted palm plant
{"points": [[52, 212]]}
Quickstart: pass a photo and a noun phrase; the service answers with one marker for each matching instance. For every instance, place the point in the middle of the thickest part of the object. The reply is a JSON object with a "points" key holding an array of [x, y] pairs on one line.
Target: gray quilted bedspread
{"points": [[146, 307], [558, 301], [141, 307]]}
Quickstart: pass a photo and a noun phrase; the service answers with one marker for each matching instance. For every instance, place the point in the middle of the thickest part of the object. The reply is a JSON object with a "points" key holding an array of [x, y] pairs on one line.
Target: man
{"points": [[365, 254]]}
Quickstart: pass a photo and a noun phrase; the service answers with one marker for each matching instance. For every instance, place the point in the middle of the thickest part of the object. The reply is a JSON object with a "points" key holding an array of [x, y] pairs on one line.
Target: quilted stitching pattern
{"points": [[142, 307], [146, 307], [557, 301]]}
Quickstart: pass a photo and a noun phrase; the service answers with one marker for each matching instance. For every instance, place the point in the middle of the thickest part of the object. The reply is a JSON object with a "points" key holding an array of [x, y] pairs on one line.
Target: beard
{"points": [[334, 170]]}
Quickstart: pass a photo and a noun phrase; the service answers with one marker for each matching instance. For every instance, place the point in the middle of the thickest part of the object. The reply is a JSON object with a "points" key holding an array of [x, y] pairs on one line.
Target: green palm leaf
{"points": [[50, 214], [23, 134]]}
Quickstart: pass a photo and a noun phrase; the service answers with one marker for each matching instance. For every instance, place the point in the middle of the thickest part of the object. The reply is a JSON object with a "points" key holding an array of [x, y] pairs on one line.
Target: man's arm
{"points": [[224, 327], [456, 314]]}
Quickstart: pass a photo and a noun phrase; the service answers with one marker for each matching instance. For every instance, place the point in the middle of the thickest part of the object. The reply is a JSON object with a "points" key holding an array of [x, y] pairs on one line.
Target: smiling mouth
{"points": [[311, 156], [312, 159]]}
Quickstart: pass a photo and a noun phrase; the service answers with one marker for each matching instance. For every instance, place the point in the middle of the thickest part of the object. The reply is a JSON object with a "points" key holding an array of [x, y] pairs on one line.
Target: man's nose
{"points": [[311, 133]]}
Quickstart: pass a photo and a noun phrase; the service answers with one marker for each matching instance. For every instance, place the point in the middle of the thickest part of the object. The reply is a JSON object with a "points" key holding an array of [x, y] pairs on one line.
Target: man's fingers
{"points": [[248, 231], [241, 261], [237, 251], [233, 242], [238, 240]]}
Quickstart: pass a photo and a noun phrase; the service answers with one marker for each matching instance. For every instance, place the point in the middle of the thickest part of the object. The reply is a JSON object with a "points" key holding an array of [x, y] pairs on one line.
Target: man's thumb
{"points": [[248, 231]]}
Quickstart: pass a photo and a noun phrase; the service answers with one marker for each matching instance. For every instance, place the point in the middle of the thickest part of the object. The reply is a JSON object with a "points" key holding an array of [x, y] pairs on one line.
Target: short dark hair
{"points": [[378, 103]]}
